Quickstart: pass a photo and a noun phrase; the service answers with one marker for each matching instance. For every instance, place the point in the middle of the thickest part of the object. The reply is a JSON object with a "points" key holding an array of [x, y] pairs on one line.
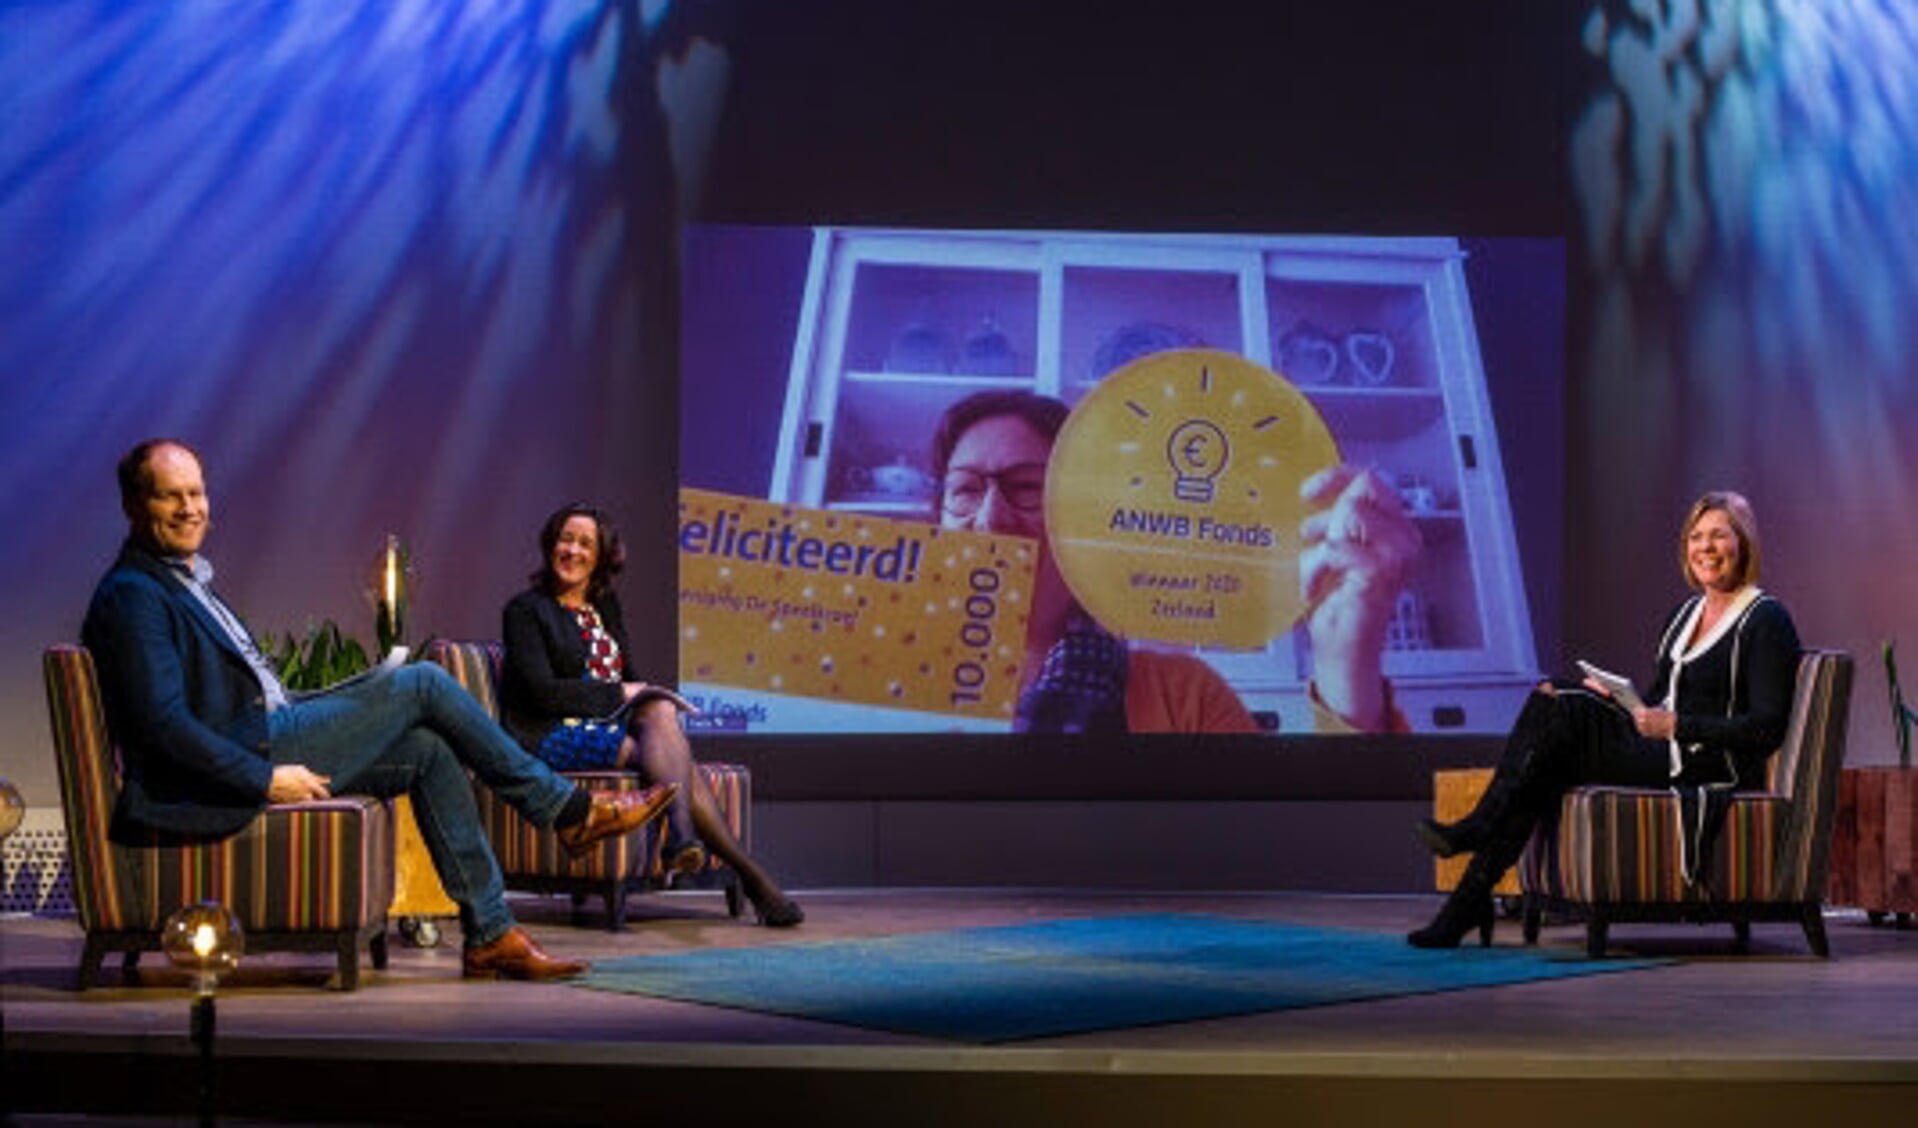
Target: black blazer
{"points": [[544, 680], [182, 704]]}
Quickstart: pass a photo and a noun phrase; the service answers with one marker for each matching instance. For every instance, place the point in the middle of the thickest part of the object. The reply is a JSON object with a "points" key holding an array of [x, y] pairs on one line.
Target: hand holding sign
{"points": [[1358, 553]]}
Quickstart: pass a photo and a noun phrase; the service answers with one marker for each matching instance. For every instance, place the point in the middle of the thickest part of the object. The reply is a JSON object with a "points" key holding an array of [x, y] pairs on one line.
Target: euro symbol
{"points": [[1196, 451]]}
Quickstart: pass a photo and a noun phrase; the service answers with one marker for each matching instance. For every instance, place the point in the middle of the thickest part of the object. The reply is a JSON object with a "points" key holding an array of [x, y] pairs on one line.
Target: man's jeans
{"points": [[413, 731]]}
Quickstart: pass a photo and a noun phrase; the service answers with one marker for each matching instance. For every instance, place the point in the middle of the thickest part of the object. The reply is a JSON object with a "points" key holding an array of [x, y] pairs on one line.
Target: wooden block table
{"points": [[1874, 862], [1454, 793], [418, 896]]}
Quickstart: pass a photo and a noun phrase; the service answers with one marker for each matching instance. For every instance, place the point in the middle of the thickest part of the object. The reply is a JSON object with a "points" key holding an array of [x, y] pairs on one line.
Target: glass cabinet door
{"points": [[1363, 353], [913, 326], [1121, 302]]}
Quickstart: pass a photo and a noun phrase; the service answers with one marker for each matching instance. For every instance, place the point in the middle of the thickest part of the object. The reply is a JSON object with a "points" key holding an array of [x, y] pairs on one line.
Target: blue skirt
{"points": [[582, 746]]}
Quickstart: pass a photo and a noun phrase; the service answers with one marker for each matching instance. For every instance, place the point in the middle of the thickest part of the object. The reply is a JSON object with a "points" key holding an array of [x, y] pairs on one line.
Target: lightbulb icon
{"points": [[1197, 450]]}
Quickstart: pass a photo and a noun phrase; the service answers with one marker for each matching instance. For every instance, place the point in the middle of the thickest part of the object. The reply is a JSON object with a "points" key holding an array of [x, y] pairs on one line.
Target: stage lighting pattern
{"points": [[353, 250], [1747, 180], [1755, 156]]}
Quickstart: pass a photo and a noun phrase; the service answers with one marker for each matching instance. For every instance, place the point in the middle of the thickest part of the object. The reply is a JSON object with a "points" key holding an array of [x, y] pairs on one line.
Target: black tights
{"points": [[657, 747]]}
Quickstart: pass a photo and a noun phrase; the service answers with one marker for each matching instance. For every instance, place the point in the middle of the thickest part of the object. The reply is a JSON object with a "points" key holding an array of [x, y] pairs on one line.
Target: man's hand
{"points": [[293, 783]]}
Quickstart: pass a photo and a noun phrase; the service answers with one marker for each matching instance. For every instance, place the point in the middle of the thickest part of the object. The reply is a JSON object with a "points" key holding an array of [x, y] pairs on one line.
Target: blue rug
{"points": [[1071, 976]]}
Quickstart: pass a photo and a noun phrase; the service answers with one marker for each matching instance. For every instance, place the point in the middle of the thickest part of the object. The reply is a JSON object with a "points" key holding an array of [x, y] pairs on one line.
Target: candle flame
{"points": [[392, 575]]}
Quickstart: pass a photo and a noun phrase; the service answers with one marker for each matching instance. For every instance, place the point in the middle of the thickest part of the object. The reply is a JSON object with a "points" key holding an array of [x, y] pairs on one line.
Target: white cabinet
{"points": [[1378, 333]]}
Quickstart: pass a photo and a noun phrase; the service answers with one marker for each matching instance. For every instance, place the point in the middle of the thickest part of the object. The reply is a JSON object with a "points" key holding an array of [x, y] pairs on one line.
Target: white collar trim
{"points": [[1741, 599]]}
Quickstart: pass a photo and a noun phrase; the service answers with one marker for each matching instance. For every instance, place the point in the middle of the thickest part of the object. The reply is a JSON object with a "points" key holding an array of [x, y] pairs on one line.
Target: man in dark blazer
{"points": [[208, 736]]}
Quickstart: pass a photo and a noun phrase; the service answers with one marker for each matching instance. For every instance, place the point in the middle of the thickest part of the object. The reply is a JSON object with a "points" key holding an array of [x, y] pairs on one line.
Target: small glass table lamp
{"points": [[204, 939]]}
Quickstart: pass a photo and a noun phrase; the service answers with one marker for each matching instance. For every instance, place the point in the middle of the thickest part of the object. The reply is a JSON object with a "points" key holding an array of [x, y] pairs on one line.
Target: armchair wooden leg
{"points": [[349, 955], [1742, 935], [377, 947], [91, 956], [1595, 937], [1813, 918], [1534, 915]]}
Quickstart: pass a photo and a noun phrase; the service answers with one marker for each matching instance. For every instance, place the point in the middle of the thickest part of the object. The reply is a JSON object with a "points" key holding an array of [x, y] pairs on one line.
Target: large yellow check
{"points": [[789, 615]]}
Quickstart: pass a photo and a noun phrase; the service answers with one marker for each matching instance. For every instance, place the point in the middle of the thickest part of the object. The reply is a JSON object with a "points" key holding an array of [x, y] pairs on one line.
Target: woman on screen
{"points": [[1727, 661], [989, 459], [568, 697]]}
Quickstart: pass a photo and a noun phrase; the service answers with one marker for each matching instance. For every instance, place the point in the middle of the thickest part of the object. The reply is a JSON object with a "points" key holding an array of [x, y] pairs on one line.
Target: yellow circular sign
{"points": [[1172, 498]]}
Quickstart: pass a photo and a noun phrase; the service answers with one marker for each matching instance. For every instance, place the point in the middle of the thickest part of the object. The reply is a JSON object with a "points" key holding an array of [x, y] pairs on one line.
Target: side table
{"points": [[418, 896], [1455, 792], [1873, 861]]}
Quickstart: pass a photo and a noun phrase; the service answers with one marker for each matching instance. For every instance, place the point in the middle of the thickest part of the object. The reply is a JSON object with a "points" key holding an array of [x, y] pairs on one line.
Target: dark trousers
{"points": [[1561, 740]]}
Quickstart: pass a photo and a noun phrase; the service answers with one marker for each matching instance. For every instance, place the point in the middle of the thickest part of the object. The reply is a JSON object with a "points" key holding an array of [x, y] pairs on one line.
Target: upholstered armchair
{"points": [[1612, 854], [301, 877], [531, 858]]}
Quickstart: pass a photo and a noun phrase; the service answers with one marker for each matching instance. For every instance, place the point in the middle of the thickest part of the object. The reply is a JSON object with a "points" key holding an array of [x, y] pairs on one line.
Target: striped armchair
{"points": [[301, 877], [1612, 854], [531, 858]]}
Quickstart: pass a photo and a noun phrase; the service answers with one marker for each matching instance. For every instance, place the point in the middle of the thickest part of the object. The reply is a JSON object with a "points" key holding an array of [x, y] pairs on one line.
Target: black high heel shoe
{"points": [[775, 912], [1462, 912]]}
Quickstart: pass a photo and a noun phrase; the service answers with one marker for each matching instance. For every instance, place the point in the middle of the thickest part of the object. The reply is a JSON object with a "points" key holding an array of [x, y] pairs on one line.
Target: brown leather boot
{"points": [[688, 859], [515, 956], [616, 812]]}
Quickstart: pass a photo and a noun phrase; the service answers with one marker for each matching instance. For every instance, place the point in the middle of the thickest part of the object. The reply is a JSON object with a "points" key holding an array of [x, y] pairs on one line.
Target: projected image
{"points": [[1067, 482]]}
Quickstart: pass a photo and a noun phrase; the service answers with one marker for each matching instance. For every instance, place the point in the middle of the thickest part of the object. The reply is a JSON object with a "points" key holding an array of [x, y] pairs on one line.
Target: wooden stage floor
{"points": [[1774, 1036]]}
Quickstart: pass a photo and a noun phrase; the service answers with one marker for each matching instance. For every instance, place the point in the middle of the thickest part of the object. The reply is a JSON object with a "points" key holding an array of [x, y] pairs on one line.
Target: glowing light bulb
{"points": [[1198, 451], [205, 939]]}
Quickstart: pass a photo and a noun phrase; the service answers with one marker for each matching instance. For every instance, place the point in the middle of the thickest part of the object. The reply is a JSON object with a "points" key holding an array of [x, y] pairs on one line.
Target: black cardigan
{"points": [[544, 680], [1738, 711]]}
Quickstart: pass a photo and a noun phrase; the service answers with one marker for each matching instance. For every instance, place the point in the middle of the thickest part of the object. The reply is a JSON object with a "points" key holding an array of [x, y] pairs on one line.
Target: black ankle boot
{"points": [[1469, 907], [1469, 834]]}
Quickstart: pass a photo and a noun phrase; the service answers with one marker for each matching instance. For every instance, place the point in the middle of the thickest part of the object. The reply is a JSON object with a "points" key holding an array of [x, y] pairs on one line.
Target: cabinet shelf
{"points": [[918, 509], [953, 379], [1335, 392]]}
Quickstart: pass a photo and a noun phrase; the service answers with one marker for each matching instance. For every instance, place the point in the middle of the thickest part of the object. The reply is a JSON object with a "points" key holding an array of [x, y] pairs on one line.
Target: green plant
{"points": [[1901, 714], [324, 656]]}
